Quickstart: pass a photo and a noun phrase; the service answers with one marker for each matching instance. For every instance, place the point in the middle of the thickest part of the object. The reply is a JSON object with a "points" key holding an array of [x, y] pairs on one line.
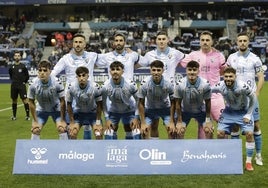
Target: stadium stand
{"points": [[35, 27]]}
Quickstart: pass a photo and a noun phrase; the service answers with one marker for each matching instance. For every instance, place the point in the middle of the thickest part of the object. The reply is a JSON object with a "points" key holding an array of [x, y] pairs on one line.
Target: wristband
{"points": [[208, 119], [98, 122]]}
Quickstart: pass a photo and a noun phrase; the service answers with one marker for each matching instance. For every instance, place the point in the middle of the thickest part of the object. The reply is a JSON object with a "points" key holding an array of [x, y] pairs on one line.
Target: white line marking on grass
{"points": [[5, 109]]}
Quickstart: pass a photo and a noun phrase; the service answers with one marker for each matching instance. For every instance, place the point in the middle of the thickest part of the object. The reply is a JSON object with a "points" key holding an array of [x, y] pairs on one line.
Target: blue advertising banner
{"points": [[128, 157]]}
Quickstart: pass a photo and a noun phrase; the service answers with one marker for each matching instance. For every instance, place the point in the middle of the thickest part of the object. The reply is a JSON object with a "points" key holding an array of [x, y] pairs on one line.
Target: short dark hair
{"points": [[243, 33], [81, 70], [79, 35], [116, 64], [162, 32], [44, 64], [192, 64], [120, 34], [229, 70], [206, 32], [17, 52], [157, 63]]}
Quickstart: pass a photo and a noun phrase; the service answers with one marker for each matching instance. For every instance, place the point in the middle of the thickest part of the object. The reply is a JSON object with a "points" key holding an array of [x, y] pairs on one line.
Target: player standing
{"points": [[249, 66], [240, 103], [212, 64]]}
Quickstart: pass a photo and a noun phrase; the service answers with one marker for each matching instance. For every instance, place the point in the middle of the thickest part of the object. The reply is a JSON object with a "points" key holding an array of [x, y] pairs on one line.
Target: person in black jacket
{"points": [[19, 76]]}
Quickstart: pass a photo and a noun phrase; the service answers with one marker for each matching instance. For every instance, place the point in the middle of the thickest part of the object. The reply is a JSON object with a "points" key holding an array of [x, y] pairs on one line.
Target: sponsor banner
{"points": [[128, 157]]}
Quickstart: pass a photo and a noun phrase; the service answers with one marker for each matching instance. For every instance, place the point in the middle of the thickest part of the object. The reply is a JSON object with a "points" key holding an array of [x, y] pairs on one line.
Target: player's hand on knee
{"points": [[36, 128], [208, 128], [109, 125], [181, 129], [220, 134], [246, 120], [135, 124], [171, 129], [145, 130], [98, 131], [73, 131], [61, 126]]}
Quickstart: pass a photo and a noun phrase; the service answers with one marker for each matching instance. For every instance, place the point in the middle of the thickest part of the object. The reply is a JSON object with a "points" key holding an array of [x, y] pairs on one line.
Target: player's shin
{"points": [[87, 132], [201, 133]]}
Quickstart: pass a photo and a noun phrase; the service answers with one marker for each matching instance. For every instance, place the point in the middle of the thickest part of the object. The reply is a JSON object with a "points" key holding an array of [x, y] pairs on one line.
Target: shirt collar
{"points": [[165, 52], [197, 83], [76, 57], [244, 54], [121, 82], [46, 84], [117, 54], [161, 82]]}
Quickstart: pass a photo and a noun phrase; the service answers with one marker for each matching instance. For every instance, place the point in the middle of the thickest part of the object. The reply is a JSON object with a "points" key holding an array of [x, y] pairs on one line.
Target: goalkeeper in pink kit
{"points": [[212, 64]]}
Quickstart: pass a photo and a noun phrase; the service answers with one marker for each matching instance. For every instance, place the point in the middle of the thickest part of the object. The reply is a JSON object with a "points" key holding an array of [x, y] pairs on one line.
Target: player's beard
{"points": [[243, 48], [78, 50], [119, 47], [17, 60], [229, 83]]}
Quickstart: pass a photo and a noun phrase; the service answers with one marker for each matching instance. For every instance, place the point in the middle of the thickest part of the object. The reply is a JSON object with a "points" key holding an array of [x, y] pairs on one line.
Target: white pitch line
{"points": [[5, 109]]}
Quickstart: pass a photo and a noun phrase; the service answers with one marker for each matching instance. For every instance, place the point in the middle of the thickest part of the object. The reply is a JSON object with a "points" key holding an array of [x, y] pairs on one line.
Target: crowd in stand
{"points": [[12, 39], [141, 34]]}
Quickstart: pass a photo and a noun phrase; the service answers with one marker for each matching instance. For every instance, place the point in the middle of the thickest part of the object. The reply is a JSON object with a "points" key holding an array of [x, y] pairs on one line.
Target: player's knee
{"points": [[221, 134], [145, 134], [61, 129], [73, 132], [208, 130], [249, 136], [182, 131], [36, 130], [25, 101]]}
